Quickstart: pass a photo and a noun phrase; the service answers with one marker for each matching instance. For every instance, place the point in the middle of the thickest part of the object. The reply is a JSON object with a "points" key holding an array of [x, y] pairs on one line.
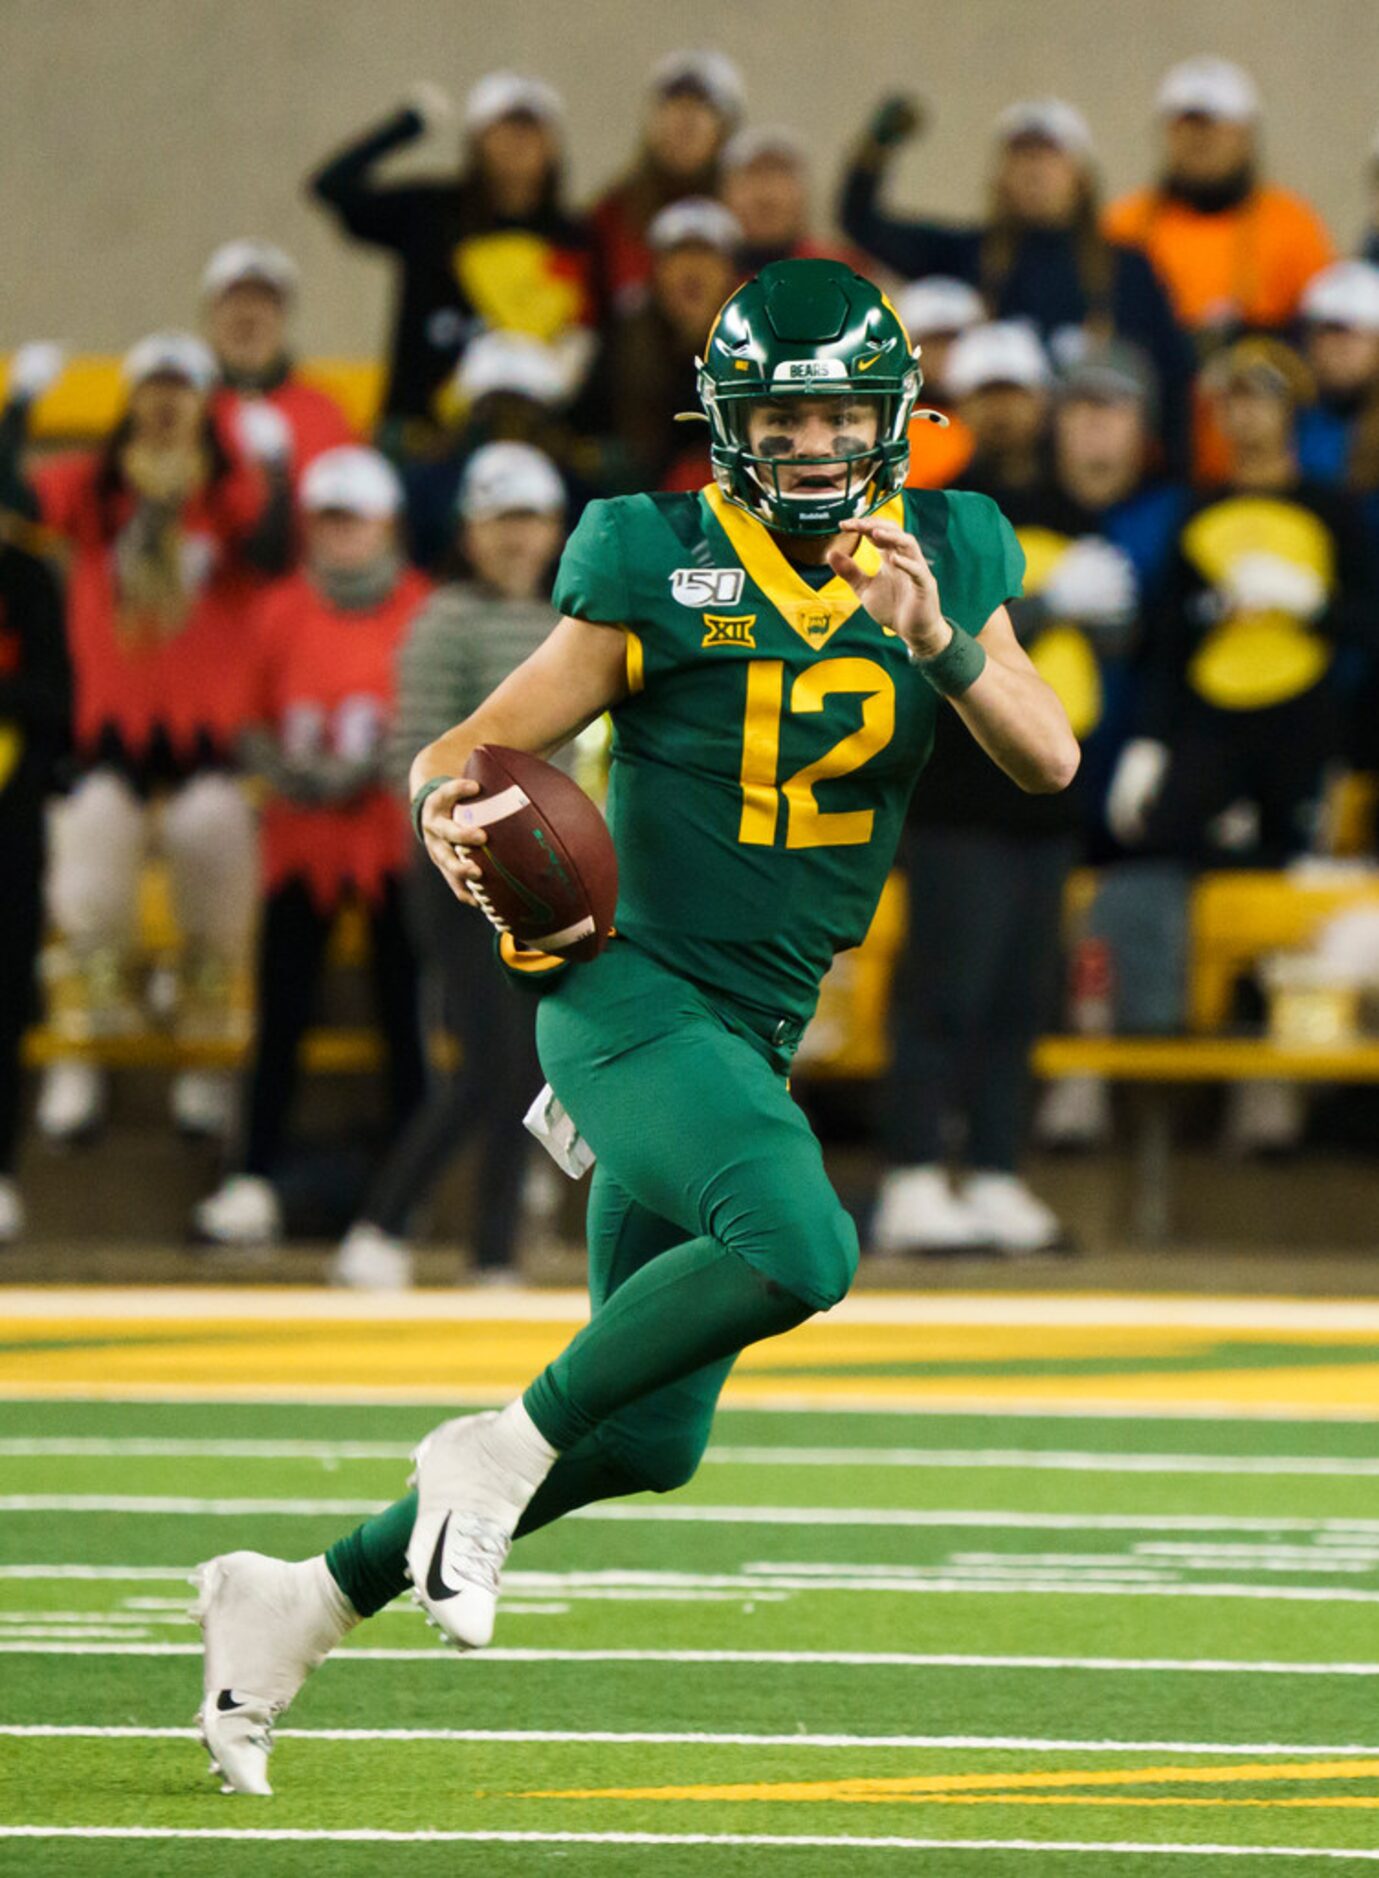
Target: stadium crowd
{"points": [[226, 627]]}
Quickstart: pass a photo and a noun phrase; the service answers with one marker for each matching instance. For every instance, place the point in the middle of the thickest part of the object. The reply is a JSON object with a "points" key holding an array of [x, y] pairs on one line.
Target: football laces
{"points": [[487, 908]]}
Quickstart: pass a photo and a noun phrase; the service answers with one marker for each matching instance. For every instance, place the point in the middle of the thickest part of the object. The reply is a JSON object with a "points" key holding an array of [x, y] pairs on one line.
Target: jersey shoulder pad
{"points": [[982, 563]]}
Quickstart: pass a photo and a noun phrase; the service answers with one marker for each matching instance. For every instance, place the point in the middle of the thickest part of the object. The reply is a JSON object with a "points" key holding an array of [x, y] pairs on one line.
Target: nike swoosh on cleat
{"points": [[225, 1701], [436, 1587]]}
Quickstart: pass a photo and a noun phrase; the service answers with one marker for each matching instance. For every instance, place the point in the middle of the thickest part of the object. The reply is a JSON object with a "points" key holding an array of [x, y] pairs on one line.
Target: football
{"points": [[550, 876]]}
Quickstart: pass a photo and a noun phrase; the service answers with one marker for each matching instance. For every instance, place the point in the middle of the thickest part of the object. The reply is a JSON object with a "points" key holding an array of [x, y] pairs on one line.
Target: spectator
{"points": [[506, 389], [1271, 579], [1244, 707], [168, 530], [980, 978], [977, 980], [649, 369], [248, 291], [1105, 495], [35, 717], [696, 104], [934, 312], [1338, 436], [766, 188], [460, 647], [1040, 254], [1234, 251], [327, 641], [1106, 489], [999, 378], [491, 247]]}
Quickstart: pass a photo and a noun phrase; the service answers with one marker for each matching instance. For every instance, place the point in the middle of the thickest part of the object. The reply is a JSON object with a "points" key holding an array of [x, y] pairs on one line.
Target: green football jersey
{"points": [[773, 731]]}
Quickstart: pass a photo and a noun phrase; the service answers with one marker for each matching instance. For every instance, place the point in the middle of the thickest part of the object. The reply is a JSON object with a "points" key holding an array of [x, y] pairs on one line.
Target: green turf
{"points": [[980, 1586]]}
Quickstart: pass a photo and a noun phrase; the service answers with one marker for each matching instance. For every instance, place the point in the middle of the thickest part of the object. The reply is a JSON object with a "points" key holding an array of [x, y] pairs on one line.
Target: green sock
{"points": [[370, 1563], [690, 1306]]}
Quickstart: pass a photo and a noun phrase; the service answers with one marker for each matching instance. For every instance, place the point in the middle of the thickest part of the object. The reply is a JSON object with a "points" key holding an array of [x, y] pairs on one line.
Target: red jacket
{"points": [[315, 419], [325, 684], [191, 682]]}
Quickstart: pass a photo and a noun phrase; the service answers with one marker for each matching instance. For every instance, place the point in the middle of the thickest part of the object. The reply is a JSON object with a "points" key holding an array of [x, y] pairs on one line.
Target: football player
{"points": [[774, 650]]}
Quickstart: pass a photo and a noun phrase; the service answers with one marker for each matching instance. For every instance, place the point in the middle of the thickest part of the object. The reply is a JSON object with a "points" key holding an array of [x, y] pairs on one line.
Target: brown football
{"points": [[550, 876]]}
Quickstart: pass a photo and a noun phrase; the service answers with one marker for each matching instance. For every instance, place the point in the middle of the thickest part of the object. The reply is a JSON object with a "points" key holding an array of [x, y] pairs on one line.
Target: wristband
{"points": [[957, 668], [420, 799]]}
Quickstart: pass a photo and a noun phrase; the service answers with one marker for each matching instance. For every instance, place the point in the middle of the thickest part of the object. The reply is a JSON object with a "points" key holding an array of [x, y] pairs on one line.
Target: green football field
{"points": [[860, 1643]]}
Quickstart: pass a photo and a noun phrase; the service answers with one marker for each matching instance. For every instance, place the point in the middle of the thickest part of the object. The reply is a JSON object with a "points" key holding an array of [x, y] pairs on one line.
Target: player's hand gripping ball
{"points": [[547, 872]]}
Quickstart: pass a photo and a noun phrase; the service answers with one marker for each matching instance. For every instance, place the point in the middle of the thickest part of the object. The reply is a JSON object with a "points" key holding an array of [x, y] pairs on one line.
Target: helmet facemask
{"points": [[871, 472]]}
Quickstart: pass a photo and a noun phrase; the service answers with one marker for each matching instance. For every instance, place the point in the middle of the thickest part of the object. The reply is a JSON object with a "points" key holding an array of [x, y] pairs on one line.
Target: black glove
{"points": [[895, 121]]}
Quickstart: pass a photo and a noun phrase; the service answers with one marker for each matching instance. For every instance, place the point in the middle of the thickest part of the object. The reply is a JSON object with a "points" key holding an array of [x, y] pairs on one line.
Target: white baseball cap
{"points": [[510, 94], [502, 361], [709, 72], [1003, 352], [1344, 294], [170, 355], [504, 478], [1209, 87], [237, 261], [698, 219], [1053, 119], [777, 143], [352, 478], [939, 304]]}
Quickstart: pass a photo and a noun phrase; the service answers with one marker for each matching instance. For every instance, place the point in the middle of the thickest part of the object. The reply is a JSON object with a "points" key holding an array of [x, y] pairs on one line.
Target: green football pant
{"points": [[683, 1099], [712, 1224]]}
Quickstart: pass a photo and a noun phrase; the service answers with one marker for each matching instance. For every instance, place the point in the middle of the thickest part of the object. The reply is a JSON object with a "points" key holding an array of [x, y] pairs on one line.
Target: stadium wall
{"points": [[139, 134]]}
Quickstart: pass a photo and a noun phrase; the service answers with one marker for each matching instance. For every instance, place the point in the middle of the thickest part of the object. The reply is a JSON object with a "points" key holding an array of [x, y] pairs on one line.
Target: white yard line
{"points": [[1015, 1744], [1042, 1459], [791, 1841], [655, 1514], [844, 1659], [140, 1447]]}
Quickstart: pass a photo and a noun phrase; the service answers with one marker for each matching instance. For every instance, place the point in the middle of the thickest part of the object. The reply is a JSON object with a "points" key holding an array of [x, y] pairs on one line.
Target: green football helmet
{"points": [[811, 329]]}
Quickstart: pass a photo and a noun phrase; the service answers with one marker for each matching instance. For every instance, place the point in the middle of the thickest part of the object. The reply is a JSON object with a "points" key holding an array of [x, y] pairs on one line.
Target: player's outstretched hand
{"points": [[902, 593], [446, 838]]}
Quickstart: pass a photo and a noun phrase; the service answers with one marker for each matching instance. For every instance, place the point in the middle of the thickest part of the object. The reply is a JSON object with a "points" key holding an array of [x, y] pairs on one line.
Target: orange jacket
{"points": [[1247, 265]]}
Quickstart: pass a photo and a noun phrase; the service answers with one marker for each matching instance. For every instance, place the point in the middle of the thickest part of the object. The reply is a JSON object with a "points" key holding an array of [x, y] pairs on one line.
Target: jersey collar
{"points": [[814, 614]]}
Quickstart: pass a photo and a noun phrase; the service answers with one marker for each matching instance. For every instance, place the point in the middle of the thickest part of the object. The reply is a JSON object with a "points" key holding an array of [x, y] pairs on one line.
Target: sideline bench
{"points": [[1156, 1068]]}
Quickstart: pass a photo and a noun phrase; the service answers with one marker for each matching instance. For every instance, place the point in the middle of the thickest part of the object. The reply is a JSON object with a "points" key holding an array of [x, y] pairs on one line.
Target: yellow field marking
{"points": [[824, 1363], [995, 1789]]}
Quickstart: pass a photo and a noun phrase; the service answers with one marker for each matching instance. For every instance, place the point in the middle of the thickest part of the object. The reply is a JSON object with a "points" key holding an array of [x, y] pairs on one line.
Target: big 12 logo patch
{"points": [[707, 586]]}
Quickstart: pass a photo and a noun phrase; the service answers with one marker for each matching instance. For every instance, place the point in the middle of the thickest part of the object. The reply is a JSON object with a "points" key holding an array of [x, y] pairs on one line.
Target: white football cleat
{"points": [[243, 1211], [917, 1211], [267, 1623], [369, 1259], [469, 1500], [11, 1212], [1011, 1217]]}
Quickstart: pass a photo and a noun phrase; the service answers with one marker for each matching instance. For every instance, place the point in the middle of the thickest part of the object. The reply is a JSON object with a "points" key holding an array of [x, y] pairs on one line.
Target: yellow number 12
{"points": [[807, 825]]}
